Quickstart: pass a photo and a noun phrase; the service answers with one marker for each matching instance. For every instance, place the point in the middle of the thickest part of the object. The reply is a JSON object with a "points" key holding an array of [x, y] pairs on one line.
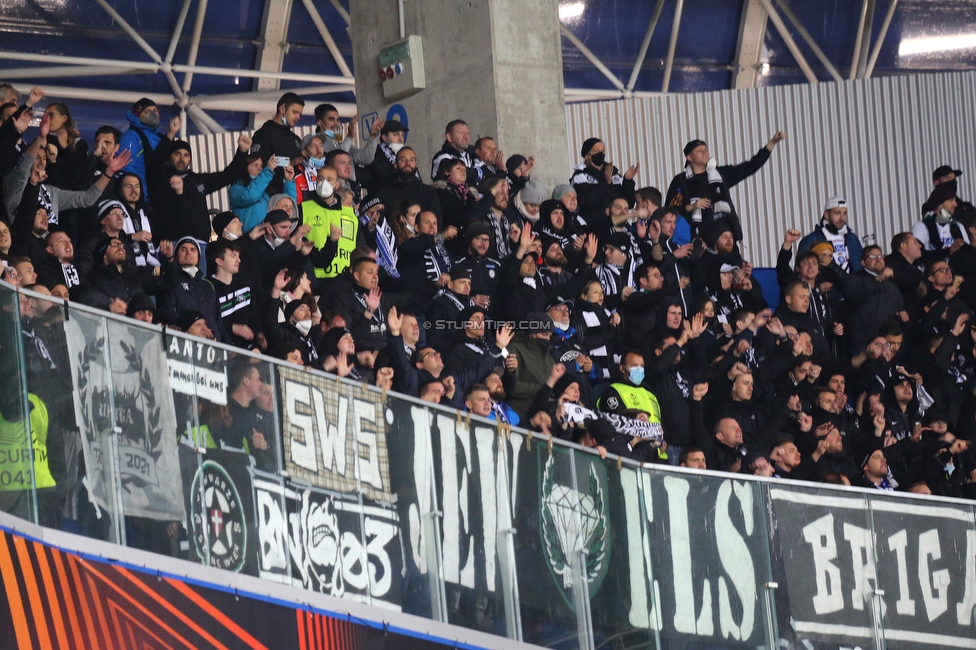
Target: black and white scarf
{"points": [[577, 414], [437, 261], [45, 201], [144, 252]]}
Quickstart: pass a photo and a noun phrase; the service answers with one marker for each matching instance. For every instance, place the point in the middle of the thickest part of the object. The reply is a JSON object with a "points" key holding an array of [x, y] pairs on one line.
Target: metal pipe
{"points": [[327, 37], [274, 93], [78, 60], [183, 124], [191, 59], [805, 35], [862, 59], [403, 27], [177, 31], [592, 57], [869, 69], [857, 42], [152, 67], [672, 45], [65, 71], [342, 10], [651, 26], [99, 94], [788, 39], [127, 28], [258, 74], [198, 115]]}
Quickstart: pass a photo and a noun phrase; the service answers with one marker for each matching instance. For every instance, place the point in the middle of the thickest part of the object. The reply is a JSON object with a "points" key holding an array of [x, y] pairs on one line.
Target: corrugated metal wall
{"points": [[875, 142]]}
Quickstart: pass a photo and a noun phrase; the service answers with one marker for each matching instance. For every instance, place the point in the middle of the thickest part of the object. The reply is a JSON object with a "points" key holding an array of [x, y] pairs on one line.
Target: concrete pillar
{"points": [[496, 64]]}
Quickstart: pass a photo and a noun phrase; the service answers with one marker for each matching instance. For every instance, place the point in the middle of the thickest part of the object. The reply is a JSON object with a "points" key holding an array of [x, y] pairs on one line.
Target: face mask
{"points": [[150, 119], [253, 176], [229, 236], [304, 326], [192, 270], [410, 228], [598, 159], [950, 468], [318, 163], [711, 165], [636, 375], [324, 189], [395, 147], [944, 216], [329, 133], [278, 241]]}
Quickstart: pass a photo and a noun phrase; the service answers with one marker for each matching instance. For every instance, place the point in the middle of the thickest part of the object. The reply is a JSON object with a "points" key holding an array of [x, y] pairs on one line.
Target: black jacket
{"points": [[274, 138], [187, 214]]}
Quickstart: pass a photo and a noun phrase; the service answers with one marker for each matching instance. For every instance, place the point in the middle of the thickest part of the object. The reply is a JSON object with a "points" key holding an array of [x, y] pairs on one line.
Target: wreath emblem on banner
{"points": [[217, 518], [574, 521]]}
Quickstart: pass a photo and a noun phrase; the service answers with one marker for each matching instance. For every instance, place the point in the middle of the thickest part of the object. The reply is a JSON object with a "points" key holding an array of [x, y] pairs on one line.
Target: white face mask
{"points": [[229, 236], [192, 270], [711, 165], [324, 189], [410, 228], [278, 241], [395, 147], [944, 216], [304, 326]]}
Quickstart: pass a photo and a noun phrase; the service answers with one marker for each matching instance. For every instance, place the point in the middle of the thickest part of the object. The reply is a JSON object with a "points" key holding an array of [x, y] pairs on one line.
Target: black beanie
{"points": [[588, 144]]}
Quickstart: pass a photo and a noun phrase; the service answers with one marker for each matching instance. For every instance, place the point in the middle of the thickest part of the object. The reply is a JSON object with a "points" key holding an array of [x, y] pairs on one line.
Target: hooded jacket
{"points": [[852, 243], [185, 291], [134, 140]]}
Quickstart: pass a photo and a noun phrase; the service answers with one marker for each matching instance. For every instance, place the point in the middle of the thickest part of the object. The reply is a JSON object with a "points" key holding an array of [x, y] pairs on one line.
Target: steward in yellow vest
{"points": [[628, 394], [16, 454]]}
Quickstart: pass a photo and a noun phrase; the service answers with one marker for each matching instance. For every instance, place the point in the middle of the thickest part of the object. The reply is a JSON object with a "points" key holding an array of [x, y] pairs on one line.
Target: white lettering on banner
{"points": [[819, 535], [936, 603], [457, 536], [642, 614], [271, 531], [736, 560], [303, 444], [422, 463], [964, 610], [484, 437], [684, 596], [332, 437], [188, 378], [378, 534], [367, 467], [897, 544], [865, 571]]}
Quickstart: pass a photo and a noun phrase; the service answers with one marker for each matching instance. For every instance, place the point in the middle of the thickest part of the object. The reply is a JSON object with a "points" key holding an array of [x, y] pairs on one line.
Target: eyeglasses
{"points": [[116, 244], [875, 256], [942, 270], [428, 354]]}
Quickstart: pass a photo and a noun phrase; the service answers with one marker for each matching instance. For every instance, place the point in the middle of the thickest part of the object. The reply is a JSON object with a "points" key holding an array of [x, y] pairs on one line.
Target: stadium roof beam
{"points": [[748, 51], [790, 43], [651, 26], [672, 46], [805, 35], [881, 36], [593, 58], [327, 37]]}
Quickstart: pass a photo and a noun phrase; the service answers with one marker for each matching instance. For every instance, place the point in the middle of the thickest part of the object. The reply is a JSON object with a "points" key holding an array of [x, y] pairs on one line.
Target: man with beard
{"points": [[640, 307], [875, 297], [112, 283], [938, 231], [111, 221], [500, 411], [834, 230], [484, 270], [446, 308], [493, 210], [906, 251], [179, 195], [471, 345], [555, 271], [406, 184], [382, 171], [313, 159], [138, 223]]}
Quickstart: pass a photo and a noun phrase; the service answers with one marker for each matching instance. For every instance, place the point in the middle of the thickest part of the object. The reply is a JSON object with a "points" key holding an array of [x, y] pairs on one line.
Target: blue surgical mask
{"points": [[636, 375], [329, 133], [950, 468], [318, 163]]}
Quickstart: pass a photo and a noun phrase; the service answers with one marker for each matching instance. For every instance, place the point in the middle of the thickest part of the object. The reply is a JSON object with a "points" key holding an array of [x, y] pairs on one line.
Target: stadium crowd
{"points": [[596, 311]]}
